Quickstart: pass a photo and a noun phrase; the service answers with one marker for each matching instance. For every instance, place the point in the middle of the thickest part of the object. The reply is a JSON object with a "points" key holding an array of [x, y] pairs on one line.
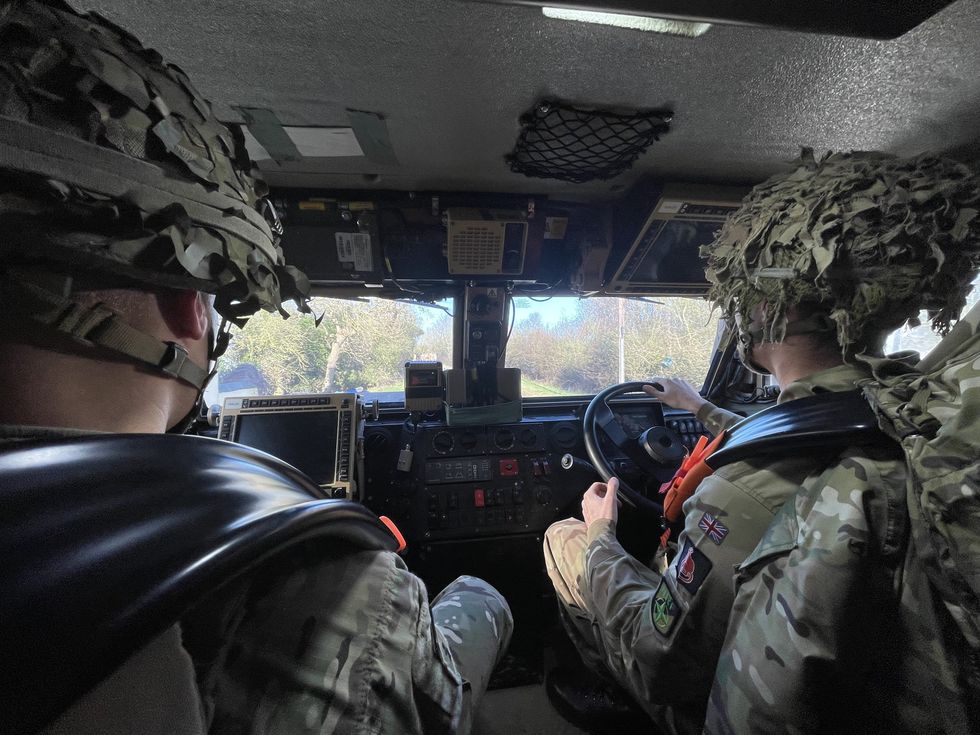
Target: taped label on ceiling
{"points": [[267, 139], [372, 134], [325, 142]]}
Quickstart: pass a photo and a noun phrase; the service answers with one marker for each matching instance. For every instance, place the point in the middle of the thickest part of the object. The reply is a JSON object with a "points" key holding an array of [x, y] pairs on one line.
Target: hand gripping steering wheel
{"points": [[652, 450]]}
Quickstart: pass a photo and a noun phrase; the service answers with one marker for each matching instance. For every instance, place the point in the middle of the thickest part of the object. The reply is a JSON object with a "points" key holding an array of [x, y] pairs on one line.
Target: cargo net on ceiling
{"points": [[560, 141]]}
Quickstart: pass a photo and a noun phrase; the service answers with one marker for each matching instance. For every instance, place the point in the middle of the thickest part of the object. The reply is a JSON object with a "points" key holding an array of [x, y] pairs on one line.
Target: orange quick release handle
{"points": [[393, 530], [689, 476]]}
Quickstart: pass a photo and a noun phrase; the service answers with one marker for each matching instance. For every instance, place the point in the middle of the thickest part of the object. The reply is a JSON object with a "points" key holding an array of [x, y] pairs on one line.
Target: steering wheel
{"points": [[654, 449]]}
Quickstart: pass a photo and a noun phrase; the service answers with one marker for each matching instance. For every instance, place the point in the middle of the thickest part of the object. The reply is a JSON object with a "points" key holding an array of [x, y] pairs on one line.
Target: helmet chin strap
{"points": [[217, 344], [99, 326], [744, 348]]}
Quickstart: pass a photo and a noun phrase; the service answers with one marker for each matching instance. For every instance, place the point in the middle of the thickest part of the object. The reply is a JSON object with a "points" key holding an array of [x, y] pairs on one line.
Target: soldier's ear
{"points": [[185, 312]]}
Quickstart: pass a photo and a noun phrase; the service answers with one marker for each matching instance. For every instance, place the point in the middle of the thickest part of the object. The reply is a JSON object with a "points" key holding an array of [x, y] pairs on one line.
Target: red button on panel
{"points": [[509, 467], [478, 498]]}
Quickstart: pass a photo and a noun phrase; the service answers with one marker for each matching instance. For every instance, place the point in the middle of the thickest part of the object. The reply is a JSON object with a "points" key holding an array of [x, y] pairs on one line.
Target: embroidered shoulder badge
{"points": [[665, 609], [692, 567], [713, 528]]}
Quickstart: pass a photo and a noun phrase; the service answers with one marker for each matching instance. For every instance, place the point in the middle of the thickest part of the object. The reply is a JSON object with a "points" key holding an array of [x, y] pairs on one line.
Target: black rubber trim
{"points": [[824, 421], [107, 541]]}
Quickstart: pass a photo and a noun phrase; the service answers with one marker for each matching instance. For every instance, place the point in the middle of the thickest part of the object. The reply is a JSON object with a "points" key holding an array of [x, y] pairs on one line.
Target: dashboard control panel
{"points": [[470, 482], [688, 429], [475, 481]]}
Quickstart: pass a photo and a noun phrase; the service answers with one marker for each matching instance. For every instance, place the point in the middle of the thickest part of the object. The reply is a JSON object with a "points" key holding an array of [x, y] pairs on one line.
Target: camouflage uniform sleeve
{"points": [[337, 644], [715, 418], [663, 633]]}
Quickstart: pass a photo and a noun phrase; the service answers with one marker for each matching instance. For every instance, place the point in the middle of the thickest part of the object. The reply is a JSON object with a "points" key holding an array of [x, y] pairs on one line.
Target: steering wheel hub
{"points": [[662, 445]]}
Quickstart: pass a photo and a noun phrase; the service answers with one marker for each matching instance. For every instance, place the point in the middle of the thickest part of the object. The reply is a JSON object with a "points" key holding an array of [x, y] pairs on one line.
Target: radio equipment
{"points": [[425, 387], [486, 242]]}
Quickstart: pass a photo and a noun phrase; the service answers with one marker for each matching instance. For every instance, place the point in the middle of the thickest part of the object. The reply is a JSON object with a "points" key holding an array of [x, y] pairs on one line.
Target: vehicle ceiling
{"points": [[452, 78]]}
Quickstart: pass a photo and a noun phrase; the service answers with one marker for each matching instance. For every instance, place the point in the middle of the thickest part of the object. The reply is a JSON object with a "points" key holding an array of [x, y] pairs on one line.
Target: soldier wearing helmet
{"points": [[128, 216], [814, 270]]}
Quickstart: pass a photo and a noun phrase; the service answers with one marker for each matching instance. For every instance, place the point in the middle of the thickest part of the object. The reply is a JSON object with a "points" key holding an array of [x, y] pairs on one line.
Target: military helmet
{"points": [[856, 244], [115, 173], [111, 162]]}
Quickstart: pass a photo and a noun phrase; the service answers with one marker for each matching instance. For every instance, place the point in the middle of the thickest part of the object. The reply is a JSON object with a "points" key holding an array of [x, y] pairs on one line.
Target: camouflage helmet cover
{"points": [[863, 238], [111, 162]]}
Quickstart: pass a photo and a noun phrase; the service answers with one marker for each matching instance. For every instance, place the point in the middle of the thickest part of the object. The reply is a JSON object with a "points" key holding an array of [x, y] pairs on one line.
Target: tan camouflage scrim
{"points": [[347, 643], [659, 634], [865, 238], [112, 162]]}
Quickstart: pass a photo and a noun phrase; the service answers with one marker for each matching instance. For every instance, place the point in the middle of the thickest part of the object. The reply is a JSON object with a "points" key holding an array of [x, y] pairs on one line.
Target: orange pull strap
{"points": [[688, 477], [696, 455], [393, 529]]}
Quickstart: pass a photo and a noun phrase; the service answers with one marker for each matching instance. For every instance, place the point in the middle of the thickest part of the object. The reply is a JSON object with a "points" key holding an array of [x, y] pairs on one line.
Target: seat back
{"points": [[107, 540]]}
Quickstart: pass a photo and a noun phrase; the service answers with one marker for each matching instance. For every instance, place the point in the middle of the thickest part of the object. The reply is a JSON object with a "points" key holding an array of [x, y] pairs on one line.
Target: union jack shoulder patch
{"points": [[713, 528]]}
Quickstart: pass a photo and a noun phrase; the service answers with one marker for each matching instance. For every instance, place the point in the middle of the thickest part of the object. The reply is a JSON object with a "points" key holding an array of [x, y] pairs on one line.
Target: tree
{"points": [[288, 353], [358, 343], [581, 354]]}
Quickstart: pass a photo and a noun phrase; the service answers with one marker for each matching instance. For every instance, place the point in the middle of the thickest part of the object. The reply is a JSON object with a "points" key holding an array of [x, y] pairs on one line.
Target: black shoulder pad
{"points": [[106, 541], [823, 421]]}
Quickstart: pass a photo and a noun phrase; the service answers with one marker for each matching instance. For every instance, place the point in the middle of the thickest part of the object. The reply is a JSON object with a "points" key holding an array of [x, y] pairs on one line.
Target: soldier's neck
{"points": [[792, 366], [796, 357], [44, 388]]}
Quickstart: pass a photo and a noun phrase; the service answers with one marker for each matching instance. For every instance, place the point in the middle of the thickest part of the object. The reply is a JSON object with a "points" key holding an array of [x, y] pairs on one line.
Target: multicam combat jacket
{"points": [[670, 635]]}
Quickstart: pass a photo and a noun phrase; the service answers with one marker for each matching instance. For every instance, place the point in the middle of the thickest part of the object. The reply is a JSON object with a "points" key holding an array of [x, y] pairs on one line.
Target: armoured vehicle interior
{"points": [[500, 206]]}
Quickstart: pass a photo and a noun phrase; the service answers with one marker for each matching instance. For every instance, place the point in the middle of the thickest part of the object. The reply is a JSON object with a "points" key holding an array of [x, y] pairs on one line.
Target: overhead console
{"points": [[410, 244], [665, 255], [387, 238]]}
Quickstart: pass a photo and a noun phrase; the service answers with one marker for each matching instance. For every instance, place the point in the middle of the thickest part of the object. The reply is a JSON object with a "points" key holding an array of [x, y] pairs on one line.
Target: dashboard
{"points": [[470, 500], [449, 483], [481, 481]]}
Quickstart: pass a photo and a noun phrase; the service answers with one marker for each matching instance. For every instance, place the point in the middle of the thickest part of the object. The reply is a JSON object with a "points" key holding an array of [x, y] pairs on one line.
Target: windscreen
{"points": [[572, 346], [305, 439], [358, 347]]}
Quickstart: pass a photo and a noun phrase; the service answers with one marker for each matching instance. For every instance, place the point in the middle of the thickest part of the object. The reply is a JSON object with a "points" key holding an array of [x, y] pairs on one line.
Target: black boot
{"points": [[593, 704]]}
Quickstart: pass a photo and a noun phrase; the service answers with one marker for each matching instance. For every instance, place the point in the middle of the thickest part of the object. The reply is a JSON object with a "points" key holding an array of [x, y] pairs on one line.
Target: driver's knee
{"points": [[565, 543], [564, 540]]}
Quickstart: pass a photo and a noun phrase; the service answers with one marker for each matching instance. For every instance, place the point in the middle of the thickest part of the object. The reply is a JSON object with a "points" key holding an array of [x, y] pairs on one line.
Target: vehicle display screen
{"points": [[670, 252], [667, 253], [457, 470], [305, 439]]}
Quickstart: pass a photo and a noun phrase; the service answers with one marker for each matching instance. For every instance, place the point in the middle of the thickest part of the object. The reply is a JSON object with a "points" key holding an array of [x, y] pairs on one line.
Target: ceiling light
{"points": [[634, 22], [882, 19]]}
